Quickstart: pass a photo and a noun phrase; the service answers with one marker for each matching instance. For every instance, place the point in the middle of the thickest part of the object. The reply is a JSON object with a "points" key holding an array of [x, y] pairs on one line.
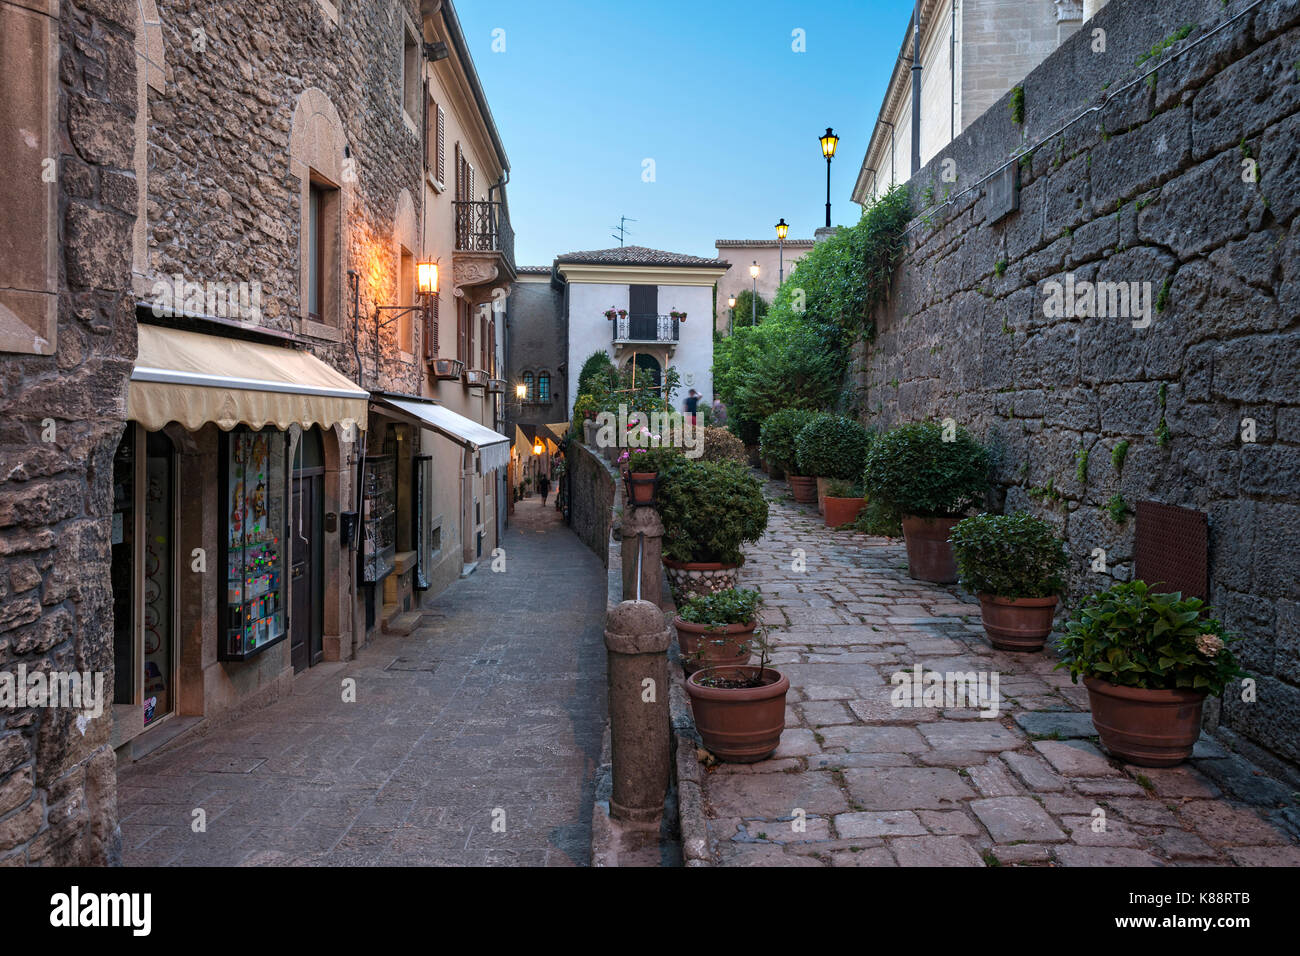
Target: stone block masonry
{"points": [[1169, 183]]}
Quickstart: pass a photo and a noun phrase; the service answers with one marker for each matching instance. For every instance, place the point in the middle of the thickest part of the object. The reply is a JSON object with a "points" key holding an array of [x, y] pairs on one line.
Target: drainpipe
{"points": [[916, 89], [952, 75]]}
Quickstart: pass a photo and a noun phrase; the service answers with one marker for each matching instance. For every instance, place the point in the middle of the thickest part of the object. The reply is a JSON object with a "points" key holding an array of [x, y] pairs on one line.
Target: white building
{"points": [[648, 286]]}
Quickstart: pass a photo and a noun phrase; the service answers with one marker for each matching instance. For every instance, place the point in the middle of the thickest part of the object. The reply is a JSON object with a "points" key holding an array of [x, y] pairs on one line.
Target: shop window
{"points": [[544, 387], [253, 615]]}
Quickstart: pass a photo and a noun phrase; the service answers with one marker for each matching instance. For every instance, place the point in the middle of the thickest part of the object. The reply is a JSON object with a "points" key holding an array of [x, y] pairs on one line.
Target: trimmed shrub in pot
{"points": [[739, 710], [929, 482], [1014, 565], [709, 510], [776, 441], [722, 445], [843, 503], [830, 447], [643, 468], [1148, 661], [717, 629]]}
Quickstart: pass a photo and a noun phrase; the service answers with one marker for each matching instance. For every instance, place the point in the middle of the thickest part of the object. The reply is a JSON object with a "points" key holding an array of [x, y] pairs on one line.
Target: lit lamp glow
{"points": [[753, 318], [427, 278], [539, 447], [521, 391]]}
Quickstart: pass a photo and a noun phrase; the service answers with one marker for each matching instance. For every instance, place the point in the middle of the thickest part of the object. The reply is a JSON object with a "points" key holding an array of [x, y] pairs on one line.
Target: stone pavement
{"points": [[926, 786], [498, 703]]}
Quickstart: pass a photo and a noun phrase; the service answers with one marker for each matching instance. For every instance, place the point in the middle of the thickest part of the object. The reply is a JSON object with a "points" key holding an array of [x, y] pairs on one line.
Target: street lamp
{"points": [[521, 391], [781, 231], [753, 271], [828, 141], [731, 317]]}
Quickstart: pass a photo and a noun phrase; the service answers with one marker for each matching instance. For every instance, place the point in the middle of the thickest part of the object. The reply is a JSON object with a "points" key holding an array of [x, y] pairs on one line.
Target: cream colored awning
{"points": [[492, 446], [193, 379]]}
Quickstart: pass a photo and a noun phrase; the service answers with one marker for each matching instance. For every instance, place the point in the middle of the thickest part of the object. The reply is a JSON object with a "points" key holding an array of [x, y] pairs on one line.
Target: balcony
{"points": [[484, 257], [646, 329]]}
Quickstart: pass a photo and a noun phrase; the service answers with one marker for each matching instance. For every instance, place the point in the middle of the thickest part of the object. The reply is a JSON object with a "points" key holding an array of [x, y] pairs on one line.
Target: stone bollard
{"points": [[637, 640], [646, 522]]}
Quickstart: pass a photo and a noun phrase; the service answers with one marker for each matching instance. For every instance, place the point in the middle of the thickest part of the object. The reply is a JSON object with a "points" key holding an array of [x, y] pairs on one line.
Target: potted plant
{"points": [[1014, 564], [716, 629], [929, 474], [1148, 660], [830, 447], [739, 709], [709, 510], [611, 313], [843, 503], [643, 468], [776, 441], [679, 316]]}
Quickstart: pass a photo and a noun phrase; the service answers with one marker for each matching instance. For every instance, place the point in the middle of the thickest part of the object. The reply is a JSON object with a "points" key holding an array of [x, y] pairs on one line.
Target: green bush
{"points": [[1011, 556], [831, 446], [658, 459], [843, 488], [732, 606], [745, 308], [777, 436], [1133, 637], [915, 472], [722, 445], [878, 519], [598, 374], [586, 402], [709, 509]]}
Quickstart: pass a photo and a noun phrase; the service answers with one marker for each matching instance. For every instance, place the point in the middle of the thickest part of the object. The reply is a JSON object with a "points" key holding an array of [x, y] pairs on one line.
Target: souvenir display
{"points": [[254, 615]]}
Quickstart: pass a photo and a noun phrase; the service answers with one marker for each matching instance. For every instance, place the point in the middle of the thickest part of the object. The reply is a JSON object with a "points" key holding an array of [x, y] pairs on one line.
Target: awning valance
{"points": [[192, 378], [493, 447]]}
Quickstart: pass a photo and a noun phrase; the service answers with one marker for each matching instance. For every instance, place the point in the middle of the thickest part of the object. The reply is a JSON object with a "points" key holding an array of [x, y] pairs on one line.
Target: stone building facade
{"points": [[212, 345], [1175, 177]]}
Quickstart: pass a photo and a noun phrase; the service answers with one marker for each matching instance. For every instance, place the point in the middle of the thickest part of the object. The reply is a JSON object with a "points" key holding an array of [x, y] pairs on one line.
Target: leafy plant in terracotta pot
{"points": [[831, 447], [717, 629], [679, 316], [643, 467], [776, 443], [930, 474], [1014, 565], [843, 503], [1148, 660], [709, 510], [739, 709]]}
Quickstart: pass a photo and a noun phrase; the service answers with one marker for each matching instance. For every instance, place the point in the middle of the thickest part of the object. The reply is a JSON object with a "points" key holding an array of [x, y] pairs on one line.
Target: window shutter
{"points": [[428, 102], [442, 146], [462, 332], [431, 330], [471, 195], [492, 346], [460, 175]]}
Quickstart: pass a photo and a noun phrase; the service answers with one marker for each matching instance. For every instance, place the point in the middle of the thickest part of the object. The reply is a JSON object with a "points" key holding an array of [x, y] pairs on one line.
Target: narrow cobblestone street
{"points": [[496, 705], [925, 786]]}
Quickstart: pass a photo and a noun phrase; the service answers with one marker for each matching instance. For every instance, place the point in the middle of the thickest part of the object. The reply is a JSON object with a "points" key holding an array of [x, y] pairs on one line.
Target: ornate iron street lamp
{"points": [[781, 231], [753, 271], [828, 141]]}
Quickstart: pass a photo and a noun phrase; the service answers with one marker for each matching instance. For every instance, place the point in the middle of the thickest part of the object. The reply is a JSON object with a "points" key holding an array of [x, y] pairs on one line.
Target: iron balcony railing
{"points": [[485, 227], [646, 328]]}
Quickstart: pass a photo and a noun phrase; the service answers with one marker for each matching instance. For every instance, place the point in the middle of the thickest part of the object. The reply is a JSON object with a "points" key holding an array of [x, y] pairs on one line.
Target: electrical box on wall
{"points": [[347, 528]]}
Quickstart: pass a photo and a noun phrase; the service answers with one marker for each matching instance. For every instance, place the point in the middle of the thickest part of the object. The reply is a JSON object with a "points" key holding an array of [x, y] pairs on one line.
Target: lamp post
{"points": [[753, 271], [781, 231], [828, 141], [731, 315]]}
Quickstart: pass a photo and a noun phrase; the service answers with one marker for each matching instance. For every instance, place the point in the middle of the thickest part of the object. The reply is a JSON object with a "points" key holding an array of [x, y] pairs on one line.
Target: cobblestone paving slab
{"points": [[859, 782], [498, 703]]}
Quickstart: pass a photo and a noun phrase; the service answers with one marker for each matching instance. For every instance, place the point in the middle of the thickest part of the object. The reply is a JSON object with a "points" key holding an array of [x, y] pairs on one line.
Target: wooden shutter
{"points": [[442, 146], [460, 175], [462, 332], [470, 196], [431, 330], [492, 348], [428, 103]]}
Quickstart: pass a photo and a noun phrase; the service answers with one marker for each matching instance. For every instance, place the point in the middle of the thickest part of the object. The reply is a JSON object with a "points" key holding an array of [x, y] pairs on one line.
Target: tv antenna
{"points": [[622, 229]]}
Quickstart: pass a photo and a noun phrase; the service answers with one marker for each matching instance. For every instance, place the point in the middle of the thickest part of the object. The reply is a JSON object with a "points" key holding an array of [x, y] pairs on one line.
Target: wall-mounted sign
{"points": [[1003, 193]]}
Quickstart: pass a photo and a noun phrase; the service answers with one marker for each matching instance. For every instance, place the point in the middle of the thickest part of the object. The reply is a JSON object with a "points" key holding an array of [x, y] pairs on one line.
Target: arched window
{"points": [[528, 387], [544, 387]]}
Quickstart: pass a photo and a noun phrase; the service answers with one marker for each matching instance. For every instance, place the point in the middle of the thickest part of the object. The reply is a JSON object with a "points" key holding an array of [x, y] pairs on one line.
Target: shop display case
{"points": [[379, 518], [254, 615]]}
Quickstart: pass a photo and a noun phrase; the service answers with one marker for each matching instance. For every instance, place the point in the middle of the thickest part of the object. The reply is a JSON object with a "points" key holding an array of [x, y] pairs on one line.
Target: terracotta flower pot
{"points": [[804, 489], [742, 725], [822, 485], [642, 484], [775, 471], [703, 646], [840, 511], [1017, 624], [1151, 728], [929, 553], [691, 578]]}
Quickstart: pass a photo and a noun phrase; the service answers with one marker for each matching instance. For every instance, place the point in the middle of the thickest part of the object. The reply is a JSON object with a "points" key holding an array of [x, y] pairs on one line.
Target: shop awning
{"points": [[493, 447], [193, 379]]}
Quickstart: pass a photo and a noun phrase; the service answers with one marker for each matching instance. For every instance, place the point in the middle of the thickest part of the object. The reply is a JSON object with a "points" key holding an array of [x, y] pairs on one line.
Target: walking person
{"points": [[544, 486], [691, 404]]}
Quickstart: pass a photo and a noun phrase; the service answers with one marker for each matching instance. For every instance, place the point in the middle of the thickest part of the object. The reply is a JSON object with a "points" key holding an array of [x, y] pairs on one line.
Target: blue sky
{"points": [[710, 90]]}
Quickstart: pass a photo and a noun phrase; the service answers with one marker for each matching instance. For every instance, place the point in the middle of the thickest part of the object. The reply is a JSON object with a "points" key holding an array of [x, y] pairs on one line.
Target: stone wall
{"points": [[593, 496], [1151, 184], [60, 419]]}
